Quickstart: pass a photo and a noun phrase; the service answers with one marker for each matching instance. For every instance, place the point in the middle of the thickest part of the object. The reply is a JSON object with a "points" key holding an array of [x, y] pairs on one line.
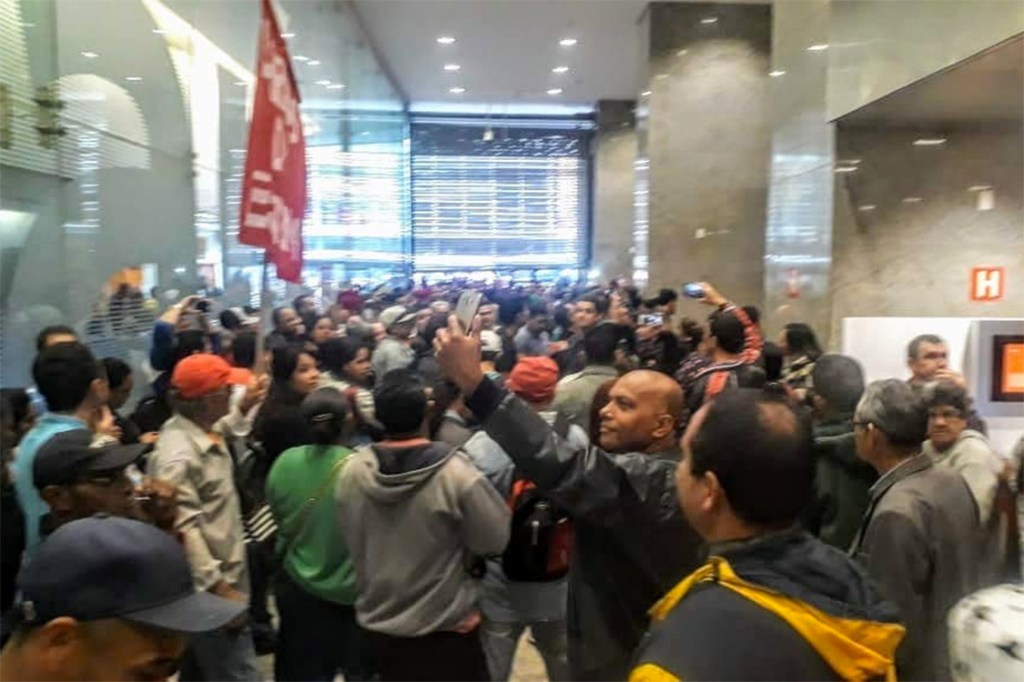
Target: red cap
{"points": [[203, 373], [534, 379]]}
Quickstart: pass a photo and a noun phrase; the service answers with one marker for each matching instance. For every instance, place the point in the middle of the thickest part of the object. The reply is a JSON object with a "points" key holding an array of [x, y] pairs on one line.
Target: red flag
{"points": [[274, 188]]}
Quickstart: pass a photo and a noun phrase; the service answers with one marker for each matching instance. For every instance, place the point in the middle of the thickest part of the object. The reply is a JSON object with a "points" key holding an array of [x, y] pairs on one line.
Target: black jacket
{"points": [[779, 607], [631, 541]]}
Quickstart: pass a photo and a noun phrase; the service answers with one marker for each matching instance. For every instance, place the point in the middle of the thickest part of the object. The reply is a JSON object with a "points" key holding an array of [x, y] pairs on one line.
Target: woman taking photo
{"points": [[316, 589]]}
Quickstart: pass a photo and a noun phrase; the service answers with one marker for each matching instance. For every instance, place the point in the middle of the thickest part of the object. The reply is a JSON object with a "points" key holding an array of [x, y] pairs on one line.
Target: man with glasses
{"points": [[78, 480], [919, 538], [191, 455]]}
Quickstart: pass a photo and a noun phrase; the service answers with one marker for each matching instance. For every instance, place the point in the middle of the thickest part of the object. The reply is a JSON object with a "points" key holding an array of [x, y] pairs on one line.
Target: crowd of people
{"points": [[374, 488]]}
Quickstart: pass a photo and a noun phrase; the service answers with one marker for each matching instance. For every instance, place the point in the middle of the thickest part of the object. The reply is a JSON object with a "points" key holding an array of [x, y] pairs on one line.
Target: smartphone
{"points": [[694, 291], [652, 320], [466, 310]]}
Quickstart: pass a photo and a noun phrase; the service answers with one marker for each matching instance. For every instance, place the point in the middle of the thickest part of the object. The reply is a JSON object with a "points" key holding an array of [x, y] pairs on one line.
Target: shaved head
{"points": [[644, 410]]}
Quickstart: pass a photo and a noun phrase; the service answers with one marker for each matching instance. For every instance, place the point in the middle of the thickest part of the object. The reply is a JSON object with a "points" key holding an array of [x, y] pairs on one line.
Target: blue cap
{"points": [[107, 567]]}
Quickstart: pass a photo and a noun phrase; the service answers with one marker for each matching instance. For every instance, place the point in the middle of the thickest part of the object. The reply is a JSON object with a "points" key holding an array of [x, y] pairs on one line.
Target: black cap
{"points": [[68, 457], [108, 567]]}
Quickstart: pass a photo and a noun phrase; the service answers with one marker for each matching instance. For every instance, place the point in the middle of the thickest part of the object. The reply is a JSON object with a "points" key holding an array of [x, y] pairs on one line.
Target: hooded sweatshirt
{"points": [[783, 606], [415, 519], [971, 456]]}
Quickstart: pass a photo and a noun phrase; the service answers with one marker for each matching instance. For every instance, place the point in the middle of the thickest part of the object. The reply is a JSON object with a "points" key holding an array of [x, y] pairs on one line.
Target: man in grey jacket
{"points": [[919, 538], [415, 515], [394, 350], [631, 541]]}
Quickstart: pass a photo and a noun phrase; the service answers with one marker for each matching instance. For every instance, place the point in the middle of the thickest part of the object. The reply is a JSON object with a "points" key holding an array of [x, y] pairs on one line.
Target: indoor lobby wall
{"points": [[879, 46], [909, 227], [614, 182], [709, 145]]}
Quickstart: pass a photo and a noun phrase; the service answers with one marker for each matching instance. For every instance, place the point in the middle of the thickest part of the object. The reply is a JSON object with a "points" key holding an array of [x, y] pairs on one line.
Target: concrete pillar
{"points": [[614, 183]]}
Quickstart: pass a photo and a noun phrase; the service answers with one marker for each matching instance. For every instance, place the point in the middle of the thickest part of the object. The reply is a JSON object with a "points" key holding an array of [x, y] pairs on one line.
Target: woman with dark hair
{"points": [[322, 331], [800, 347], [346, 368], [315, 590], [279, 424]]}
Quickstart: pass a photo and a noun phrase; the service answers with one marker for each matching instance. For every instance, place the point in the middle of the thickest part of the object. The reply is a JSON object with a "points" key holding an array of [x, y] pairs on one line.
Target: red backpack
{"points": [[539, 545]]}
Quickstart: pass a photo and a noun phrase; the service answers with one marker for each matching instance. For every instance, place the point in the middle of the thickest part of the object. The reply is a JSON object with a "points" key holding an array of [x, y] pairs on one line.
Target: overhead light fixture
{"points": [[452, 67], [287, 35], [446, 40], [846, 169], [709, 20], [133, 79], [323, 82], [777, 73], [555, 91], [912, 200], [488, 135], [568, 42], [929, 141], [90, 55], [978, 188], [560, 69], [336, 86], [865, 208], [241, 84], [300, 58], [680, 53], [365, 133], [457, 90], [313, 62], [820, 47], [645, 93], [159, 31], [848, 162]]}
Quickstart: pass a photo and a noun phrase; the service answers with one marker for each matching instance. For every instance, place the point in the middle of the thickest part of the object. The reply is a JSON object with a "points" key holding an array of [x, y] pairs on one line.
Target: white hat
{"points": [[396, 314], [490, 342]]}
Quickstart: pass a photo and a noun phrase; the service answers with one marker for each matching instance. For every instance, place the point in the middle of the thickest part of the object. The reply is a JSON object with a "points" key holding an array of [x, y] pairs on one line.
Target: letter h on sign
{"points": [[988, 284]]}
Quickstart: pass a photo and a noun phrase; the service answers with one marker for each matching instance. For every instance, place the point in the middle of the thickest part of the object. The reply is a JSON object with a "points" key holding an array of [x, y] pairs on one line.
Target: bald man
{"points": [[632, 542]]}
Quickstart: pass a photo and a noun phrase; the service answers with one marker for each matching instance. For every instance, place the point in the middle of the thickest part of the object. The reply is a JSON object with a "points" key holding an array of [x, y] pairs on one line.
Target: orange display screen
{"points": [[1012, 379]]}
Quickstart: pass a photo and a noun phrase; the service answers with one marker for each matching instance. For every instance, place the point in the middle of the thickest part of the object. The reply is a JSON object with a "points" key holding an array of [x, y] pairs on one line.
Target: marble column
{"points": [[614, 183]]}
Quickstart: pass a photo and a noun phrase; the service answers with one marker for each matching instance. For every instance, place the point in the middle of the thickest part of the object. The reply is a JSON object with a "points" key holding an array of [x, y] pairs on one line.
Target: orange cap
{"points": [[534, 379], [203, 373]]}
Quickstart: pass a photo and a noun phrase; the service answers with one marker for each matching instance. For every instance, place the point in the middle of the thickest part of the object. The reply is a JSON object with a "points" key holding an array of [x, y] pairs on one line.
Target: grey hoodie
{"points": [[972, 457], [413, 519]]}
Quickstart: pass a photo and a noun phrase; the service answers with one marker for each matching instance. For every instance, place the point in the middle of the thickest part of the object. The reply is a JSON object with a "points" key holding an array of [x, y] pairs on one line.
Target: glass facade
{"points": [[121, 162]]}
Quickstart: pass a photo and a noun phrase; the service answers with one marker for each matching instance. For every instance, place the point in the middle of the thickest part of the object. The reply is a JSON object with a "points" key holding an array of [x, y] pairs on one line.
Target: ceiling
{"points": [[983, 91], [507, 49]]}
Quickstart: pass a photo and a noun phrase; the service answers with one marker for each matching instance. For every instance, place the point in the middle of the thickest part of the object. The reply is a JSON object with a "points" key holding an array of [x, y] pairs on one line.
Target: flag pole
{"points": [[266, 312]]}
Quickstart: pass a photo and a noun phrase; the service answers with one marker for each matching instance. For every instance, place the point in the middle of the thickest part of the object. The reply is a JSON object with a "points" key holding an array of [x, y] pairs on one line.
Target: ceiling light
{"points": [[777, 73], [488, 134], [241, 84], [661, 76], [313, 62], [568, 42], [709, 20], [133, 79], [300, 58], [287, 35], [159, 31], [452, 67], [848, 162], [457, 90], [864, 208], [323, 82], [680, 53], [912, 200], [446, 40], [846, 169], [978, 188], [560, 69], [90, 55], [365, 133], [645, 93], [336, 86], [555, 91], [820, 47], [929, 141]]}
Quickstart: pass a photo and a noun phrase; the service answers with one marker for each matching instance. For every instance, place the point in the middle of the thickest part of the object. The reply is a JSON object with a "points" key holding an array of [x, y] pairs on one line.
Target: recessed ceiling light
{"points": [[929, 141], [457, 90], [287, 35], [159, 31], [336, 86], [645, 93], [680, 53], [300, 58], [567, 42], [866, 207], [818, 48], [848, 162], [241, 84], [978, 188], [846, 169], [90, 55], [446, 40], [365, 133], [313, 62], [555, 91], [452, 67], [777, 73], [323, 82], [709, 20], [912, 200], [133, 79], [560, 69]]}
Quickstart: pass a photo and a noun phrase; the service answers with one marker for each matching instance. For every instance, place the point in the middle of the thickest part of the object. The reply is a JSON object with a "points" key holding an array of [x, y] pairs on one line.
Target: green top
{"points": [[317, 560]]}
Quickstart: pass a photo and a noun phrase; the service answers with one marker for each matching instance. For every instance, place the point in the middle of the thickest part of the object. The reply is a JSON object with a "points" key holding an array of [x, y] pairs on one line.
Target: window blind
{"points": [[500, 196]]}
